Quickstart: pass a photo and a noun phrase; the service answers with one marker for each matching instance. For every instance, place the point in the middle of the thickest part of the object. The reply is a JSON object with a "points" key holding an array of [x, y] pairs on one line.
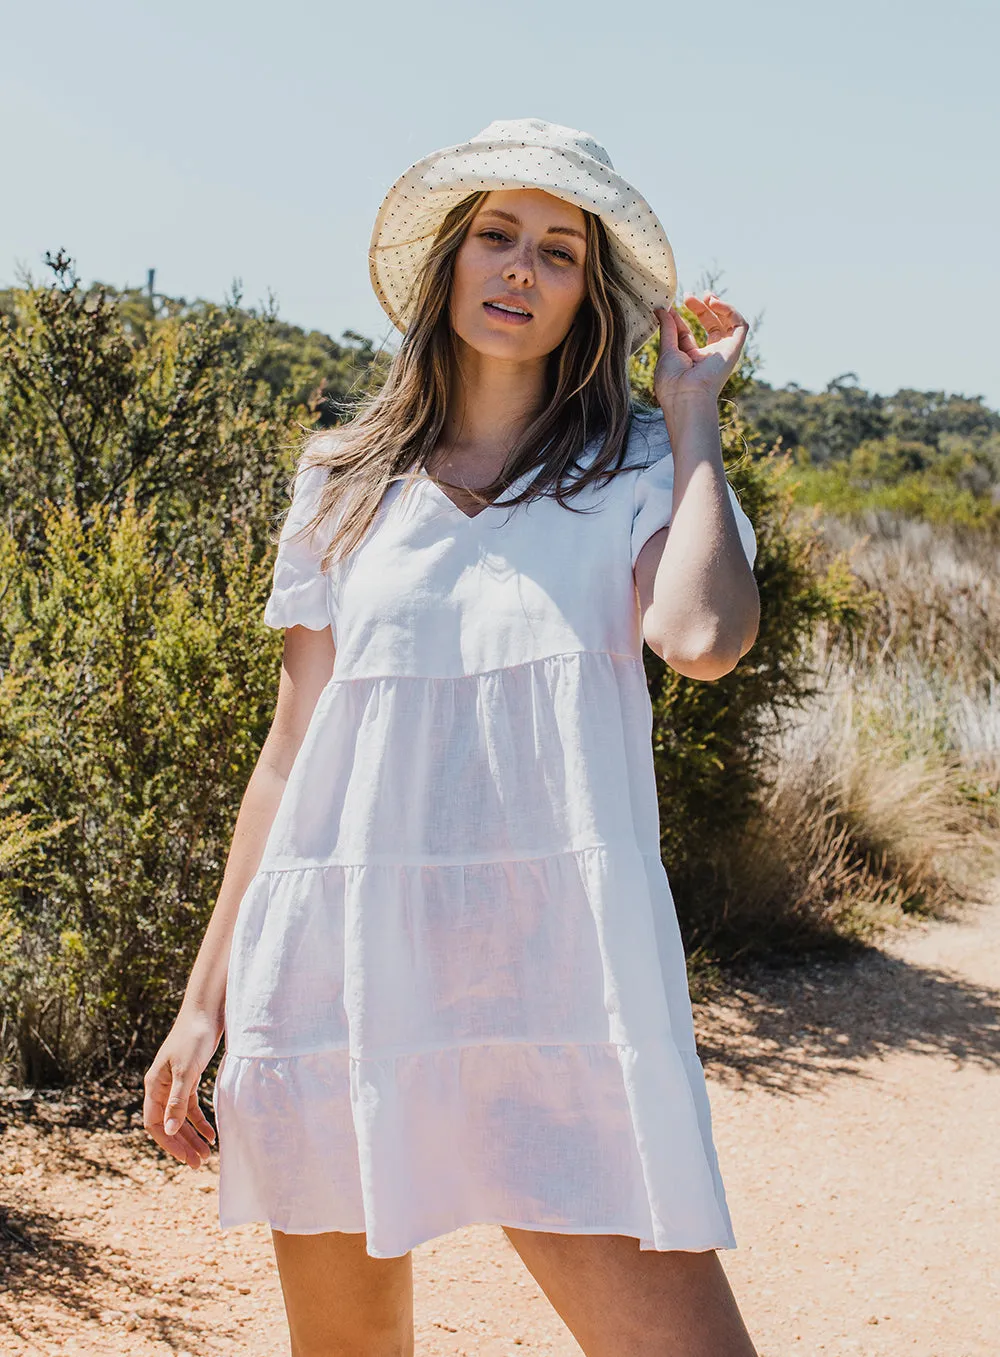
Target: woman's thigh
{"points": [[339, 1299], [616, 1298]]}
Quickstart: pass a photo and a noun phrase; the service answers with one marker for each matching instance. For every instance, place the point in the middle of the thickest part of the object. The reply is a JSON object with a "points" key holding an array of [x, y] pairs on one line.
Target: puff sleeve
{"points": [[300, 590], [653, 507]]}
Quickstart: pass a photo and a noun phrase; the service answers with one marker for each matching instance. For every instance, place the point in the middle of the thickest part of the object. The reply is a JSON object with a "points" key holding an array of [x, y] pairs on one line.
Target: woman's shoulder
{"points": [[648, 440], [312, 512], [317, 465], [316, 458]]}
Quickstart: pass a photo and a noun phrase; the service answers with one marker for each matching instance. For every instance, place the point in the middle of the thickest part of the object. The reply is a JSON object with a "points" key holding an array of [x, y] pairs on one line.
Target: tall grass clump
{"points": [[880, 792]]}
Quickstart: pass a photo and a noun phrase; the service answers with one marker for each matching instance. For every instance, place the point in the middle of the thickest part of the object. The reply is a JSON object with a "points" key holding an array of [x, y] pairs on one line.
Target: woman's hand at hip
{"points": [[171, 1112]]}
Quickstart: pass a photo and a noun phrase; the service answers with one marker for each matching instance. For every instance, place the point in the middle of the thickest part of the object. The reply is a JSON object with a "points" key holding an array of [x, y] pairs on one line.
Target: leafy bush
{"points": [[135, 696], [143, 462], [931, 494]]}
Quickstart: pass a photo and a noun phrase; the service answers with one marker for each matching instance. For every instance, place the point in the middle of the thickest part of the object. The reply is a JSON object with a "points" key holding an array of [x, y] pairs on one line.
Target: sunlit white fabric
{"points": [[457, 990]]}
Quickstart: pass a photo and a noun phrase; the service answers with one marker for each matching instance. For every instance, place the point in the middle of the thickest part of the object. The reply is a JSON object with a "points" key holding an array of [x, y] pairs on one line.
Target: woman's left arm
{"points": [[697, 593]]}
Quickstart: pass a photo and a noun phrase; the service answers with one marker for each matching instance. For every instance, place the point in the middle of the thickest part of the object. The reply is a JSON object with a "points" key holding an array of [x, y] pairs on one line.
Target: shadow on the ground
{"points": [[793, 1027], [92, 1106], [41, 1260], [46, 1269]]}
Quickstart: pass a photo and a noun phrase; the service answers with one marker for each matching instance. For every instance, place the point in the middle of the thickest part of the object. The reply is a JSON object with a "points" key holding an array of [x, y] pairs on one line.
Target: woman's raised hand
{"points": [[684, 369]]}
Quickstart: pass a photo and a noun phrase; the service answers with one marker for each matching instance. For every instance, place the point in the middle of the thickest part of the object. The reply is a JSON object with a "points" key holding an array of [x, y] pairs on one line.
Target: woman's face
{"points": [[524, 248]]}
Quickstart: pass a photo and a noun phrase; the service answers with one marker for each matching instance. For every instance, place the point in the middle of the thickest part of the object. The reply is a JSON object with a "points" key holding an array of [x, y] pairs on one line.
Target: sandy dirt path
{"points": [[857, 1108]]}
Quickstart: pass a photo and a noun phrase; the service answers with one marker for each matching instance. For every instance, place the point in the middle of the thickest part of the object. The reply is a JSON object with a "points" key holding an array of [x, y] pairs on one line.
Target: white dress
{"points": [[457, 990]]}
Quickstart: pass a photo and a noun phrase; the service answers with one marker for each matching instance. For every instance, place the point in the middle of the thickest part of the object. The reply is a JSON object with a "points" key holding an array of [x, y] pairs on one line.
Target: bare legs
{"points": [[340, 1301], [615, 1299], [619, 1301]]}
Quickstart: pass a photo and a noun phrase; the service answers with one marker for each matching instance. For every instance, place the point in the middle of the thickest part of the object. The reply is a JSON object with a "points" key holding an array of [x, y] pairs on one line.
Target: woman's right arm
{"points": [[171, 1082]]}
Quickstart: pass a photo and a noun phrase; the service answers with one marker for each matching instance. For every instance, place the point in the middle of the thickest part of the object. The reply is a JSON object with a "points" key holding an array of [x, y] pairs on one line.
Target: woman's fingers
{"points": [[684, 365], [667, 317], [195, 1149], [685, 335], [172, 1115], [732, 319], [711, 322], [178, 1100], [718, 318], [185, 1144], [198, 1119], [157, 1086], [675, 336]]}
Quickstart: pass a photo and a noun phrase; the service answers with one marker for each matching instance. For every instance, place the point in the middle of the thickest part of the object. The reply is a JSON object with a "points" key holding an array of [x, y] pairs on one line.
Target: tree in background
{"points": [[826, 426], [191, 405]]}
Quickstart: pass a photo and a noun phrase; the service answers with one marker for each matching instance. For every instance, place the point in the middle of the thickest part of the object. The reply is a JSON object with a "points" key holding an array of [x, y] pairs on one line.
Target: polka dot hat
{"points": [[521, 153]]}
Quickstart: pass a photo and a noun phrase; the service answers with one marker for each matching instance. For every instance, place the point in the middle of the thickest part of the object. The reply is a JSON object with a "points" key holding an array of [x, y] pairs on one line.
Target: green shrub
{"points": [[135, 698], [917, 495], [143, 463], [93, 408]]}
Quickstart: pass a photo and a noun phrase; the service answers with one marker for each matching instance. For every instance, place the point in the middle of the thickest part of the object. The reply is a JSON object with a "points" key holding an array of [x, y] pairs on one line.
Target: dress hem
{"points": [[646, 1245]]}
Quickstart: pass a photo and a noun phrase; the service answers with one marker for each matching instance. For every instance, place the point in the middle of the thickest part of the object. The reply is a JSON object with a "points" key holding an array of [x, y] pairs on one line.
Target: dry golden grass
{"points": [[884, 789], [938, 592]]}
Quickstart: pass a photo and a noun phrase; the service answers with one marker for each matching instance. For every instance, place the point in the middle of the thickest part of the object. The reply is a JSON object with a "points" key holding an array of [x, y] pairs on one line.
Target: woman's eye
{"points": [[564, 254]]}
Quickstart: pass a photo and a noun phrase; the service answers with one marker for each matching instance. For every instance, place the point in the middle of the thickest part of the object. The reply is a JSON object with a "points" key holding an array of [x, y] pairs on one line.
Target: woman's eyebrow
{"points": [[553, 230]]}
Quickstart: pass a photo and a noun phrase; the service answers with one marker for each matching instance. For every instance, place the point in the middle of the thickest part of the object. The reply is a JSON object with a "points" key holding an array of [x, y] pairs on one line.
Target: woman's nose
{"points": [[523, 263]]}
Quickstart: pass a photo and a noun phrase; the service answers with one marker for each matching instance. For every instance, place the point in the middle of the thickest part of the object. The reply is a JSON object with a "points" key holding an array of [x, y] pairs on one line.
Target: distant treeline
{"points": [[828, 425], [918, 454]]}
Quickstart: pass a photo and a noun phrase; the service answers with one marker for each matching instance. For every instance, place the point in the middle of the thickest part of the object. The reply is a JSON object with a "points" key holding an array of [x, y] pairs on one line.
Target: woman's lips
{"points": [[509, 317]]}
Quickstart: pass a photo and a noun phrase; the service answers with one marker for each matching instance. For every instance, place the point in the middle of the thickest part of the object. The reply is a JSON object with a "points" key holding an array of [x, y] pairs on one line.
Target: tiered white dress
{"points": [[457, 990]]}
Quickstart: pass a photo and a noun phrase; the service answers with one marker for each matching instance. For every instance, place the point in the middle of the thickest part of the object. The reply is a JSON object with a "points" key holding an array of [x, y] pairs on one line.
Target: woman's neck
{"points": [[493, 401]]}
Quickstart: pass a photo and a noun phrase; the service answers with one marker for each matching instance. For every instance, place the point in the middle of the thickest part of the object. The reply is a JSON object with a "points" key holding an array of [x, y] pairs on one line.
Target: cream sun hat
{"points": [[521, 153]]}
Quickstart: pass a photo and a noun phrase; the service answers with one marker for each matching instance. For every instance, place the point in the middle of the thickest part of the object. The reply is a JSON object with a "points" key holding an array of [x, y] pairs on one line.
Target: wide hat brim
{"points": [[412, 211]]}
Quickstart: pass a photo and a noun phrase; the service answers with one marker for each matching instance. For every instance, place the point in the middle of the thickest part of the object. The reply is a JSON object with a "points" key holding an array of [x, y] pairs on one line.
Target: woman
{"points": [[445, 953]]}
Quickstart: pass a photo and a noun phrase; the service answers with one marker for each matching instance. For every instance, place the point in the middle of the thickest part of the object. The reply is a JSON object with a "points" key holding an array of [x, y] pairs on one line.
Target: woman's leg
{"points": [[340, 1300], [616, 1298]]}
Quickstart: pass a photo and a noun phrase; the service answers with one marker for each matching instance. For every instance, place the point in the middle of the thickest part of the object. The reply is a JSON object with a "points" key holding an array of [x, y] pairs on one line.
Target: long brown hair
{"points": [[393, 431]]}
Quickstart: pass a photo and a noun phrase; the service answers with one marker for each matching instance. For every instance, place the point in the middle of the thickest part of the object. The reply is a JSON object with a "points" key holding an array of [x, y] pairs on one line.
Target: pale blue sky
{"points": [[834, 166]]}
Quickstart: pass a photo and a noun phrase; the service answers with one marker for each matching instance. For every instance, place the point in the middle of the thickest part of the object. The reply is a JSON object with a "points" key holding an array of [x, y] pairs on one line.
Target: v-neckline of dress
{"points": [[447, 500]]}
